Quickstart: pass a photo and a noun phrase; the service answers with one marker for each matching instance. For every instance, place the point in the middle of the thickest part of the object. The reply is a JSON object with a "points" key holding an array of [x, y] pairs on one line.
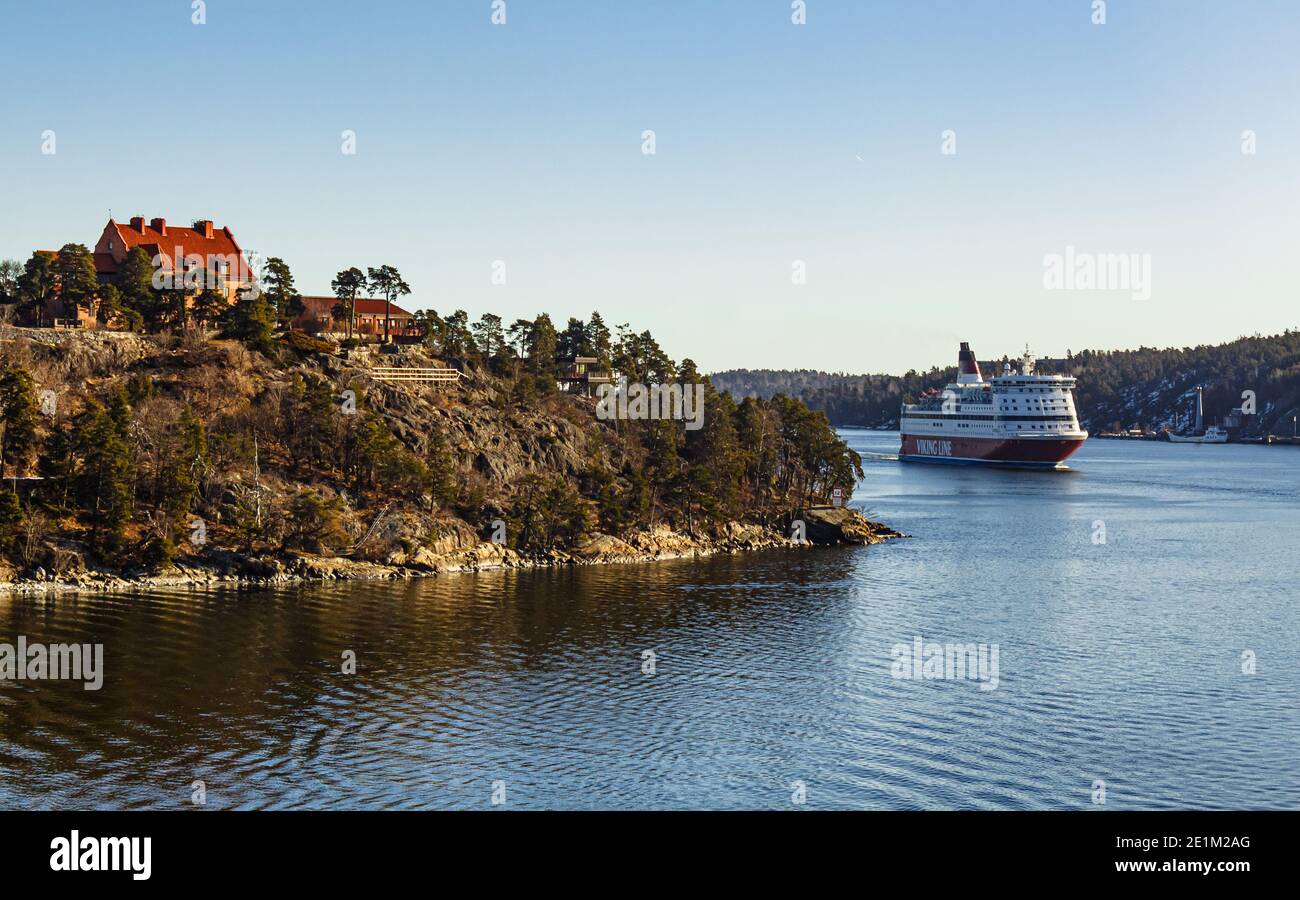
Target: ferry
{"points": [[1015, 419]]}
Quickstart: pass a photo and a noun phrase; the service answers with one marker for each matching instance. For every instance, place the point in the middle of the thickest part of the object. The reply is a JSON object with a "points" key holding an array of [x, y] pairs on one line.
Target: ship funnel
{"points": [[968, 370]]}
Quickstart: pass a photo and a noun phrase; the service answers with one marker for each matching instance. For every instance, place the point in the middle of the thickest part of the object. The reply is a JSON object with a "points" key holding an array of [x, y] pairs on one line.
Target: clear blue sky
{"points": [[775, 143]]}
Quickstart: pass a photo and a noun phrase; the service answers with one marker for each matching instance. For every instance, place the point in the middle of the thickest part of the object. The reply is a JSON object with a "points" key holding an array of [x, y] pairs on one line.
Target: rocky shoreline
{"points": [[822, 526]]}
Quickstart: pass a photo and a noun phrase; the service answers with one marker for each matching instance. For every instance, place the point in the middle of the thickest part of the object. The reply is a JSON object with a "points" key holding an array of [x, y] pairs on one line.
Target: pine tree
{"points": [[388, 283], [315, 524], [17, 419], [277, 287], [442, 470], [11, 521], [208, 306], [716, 468], [542, 353], [308, 412], [180, 481], [488, 335], [252, 320], [135, 285], [78, 283], [36, 287], [597, 337], [58, 465], [347, 286], [104, 482]]}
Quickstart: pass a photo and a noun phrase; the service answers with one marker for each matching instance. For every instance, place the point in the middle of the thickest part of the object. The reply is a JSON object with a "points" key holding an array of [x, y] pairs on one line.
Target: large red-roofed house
{"points": [[214, 251]]}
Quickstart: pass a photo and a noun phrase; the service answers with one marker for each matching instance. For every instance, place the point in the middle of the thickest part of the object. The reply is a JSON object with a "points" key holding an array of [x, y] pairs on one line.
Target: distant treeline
{"points": [[1146, 387], [867, 400]]}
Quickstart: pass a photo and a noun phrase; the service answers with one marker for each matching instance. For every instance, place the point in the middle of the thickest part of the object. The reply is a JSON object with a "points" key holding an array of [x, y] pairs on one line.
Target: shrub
{"points": [[304, 344]]}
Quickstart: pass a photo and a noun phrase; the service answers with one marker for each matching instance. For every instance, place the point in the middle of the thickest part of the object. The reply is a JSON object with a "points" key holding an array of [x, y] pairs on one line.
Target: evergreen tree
{"points": [[11, 521], [17, 420], [78, 283], [208, 306], [135, 285], [112, 311], [663, 464], [58, 465], [380, 462], [716, 464], [315, 524], [542, 353], [347, 286], [442, 469], [251, 320], [104, 482], [433, 327], [277, 287], [36, 287], [308, 412], [457, 339], [597, 337], [573, 342], [488, 335], [387, 282], [184, 470]]}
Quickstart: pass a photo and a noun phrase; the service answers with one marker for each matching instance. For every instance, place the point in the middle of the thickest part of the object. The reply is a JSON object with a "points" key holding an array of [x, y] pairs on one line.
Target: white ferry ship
{"points": [[1012, 420]]}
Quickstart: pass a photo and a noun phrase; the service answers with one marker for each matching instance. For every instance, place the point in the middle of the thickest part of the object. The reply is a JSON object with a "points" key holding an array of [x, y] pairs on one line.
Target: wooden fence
{"points": [[435, 376]]}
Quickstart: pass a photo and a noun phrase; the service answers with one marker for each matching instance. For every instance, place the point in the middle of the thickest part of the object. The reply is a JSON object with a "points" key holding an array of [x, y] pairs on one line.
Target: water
{"points": [[1119, 661]]}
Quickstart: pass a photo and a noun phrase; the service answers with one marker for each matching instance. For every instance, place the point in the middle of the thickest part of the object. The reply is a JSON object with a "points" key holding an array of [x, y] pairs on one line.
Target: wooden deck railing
{"points": [[436, 376]]}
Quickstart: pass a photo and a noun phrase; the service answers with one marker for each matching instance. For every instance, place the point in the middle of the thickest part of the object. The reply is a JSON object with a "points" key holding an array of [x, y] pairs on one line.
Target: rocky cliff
{"points": [[251, 477]]}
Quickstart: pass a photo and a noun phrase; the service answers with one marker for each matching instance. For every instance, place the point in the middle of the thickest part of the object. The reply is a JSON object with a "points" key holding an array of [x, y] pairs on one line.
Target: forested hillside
{"points": [[1150, 387], [1146, 387], [123, 451]]}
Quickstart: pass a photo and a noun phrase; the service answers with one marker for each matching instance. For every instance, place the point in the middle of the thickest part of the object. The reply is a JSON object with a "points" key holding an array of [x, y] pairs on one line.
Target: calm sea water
{"points": [[1119, 661]]}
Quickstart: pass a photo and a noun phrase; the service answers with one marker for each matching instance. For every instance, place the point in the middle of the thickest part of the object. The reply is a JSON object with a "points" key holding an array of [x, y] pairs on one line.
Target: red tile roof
{"points": [[366, 306], [190, 242], [370, 307]]}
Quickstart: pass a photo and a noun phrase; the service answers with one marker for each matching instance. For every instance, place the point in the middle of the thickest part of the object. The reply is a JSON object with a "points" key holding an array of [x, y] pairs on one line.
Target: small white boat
{"points": [[1213, 435]]}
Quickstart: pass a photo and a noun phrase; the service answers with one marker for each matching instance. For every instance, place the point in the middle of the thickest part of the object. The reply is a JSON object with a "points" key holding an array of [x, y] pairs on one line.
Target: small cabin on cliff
{"points": [[582, 375]]}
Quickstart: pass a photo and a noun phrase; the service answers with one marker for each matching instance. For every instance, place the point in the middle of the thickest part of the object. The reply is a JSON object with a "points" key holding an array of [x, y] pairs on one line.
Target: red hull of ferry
{"points": [[1003, 451]]}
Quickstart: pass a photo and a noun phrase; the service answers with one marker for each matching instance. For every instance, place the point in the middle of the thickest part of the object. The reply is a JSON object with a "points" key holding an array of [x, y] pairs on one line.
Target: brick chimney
{"points": [[159, 225], [204, 227], [137, 222]]}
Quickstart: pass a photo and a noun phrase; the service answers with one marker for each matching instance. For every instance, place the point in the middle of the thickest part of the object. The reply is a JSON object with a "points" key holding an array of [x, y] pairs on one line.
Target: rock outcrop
{"points": [[842, 525], [458, 549]]}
